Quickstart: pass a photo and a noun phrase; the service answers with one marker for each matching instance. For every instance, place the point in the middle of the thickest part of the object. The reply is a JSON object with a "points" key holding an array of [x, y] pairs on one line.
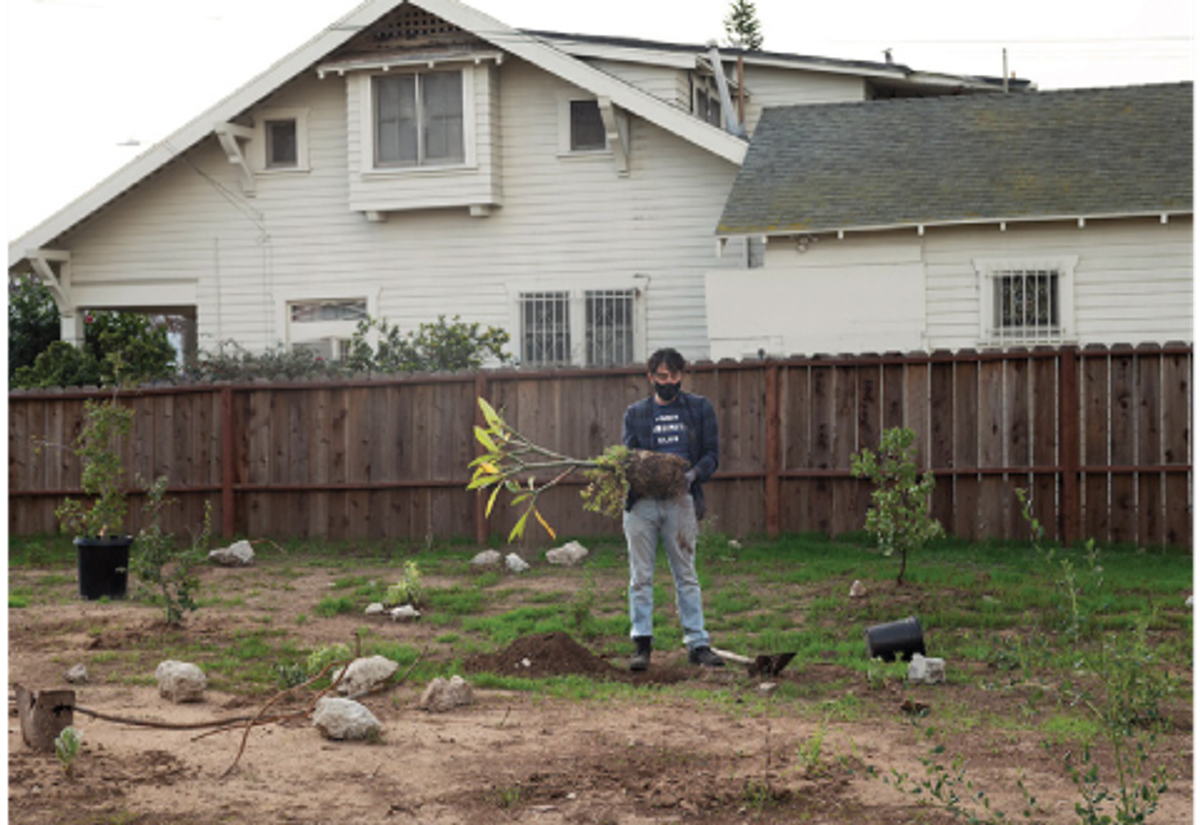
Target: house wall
{"points": [[769, 86], [565, 223], [898, 291]]}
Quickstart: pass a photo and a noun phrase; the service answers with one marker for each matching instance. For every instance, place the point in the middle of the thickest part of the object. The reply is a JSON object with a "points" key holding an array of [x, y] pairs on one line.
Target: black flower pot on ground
{"points": [[103, 565]]}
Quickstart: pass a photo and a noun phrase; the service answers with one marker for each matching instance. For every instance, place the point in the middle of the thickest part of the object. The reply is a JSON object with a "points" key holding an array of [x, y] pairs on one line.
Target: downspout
{"points": [[728, 114]]}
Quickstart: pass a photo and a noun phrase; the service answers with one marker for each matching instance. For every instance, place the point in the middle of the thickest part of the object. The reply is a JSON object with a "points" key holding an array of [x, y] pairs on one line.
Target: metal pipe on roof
{"points": [[728, 114]]}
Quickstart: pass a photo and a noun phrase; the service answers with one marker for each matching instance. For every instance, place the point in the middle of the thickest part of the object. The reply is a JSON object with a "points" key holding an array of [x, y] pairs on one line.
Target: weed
{"points": [[409, 590], [66, 748]]}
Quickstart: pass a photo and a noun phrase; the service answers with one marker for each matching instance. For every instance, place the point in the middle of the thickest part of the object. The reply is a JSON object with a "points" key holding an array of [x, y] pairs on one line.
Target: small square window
{"points": [[1025, 303], [587, 127], [283, 149]]}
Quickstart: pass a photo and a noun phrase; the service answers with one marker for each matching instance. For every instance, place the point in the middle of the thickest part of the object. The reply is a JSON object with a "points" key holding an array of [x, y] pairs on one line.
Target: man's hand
{"points": [[690, 477]]}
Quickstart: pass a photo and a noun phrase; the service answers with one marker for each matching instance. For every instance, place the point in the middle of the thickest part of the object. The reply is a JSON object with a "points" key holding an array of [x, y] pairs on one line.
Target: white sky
{"points": [[86, 76]]}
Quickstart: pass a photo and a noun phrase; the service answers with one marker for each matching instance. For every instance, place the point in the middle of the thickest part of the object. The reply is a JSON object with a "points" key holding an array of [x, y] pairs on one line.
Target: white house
{"points": [[418, 159], [963, 222]]}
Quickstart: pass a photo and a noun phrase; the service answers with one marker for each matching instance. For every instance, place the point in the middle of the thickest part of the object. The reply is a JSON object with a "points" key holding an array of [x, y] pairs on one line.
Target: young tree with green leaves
{"points": [[900, 516]]}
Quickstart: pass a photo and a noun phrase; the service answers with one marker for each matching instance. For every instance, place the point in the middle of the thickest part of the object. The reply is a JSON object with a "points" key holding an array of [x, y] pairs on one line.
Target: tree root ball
{"points": [[656, 475]]}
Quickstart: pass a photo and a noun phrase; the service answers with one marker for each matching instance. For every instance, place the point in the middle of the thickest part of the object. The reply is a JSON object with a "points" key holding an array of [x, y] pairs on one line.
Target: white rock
{"points": [[929, 671], [405, 613], [570, 553], [1188, 603], [767, 687], [367, 673], [76, 674], [734, 544], [238, 554], [374, 609], [345, 719], [180, 681], [442, 695], [488, 558], [858, 590], [515, 563]]}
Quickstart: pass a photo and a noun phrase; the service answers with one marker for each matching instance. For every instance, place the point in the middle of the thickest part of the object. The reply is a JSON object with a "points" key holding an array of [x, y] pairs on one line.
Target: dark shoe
{"points": [[705, 657], [640, 660]]}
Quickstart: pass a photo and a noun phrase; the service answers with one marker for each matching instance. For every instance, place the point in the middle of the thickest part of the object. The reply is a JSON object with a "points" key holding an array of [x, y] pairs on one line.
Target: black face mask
{"points": [[667, 392]]}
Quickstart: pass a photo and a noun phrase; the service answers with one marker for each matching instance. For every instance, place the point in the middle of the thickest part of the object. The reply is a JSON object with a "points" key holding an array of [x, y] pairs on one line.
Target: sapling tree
{"points": [[900, 516], [513, 462]]}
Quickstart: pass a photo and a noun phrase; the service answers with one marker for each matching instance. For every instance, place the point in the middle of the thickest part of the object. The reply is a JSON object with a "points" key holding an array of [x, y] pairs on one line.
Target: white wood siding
{"points": [[664, 82], [1133, 281], [769, 86], [566, 222], [897, 291]]}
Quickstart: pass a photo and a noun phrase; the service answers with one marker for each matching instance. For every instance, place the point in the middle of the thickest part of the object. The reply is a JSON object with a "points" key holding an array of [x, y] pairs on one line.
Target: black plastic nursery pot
{"points": [[895, 640], [103, 565]]}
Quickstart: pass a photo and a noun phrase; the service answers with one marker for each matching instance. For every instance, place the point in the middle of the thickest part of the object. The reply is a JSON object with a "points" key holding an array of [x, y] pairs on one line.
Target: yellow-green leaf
{"points": [[489, 414], [481, 435], [518, 528], [492, 500], [482, 481], [542, 521]]}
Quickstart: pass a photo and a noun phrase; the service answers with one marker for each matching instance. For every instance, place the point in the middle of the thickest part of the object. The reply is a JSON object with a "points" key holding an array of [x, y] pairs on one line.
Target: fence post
{"points": [[1068, 441], [772, 449], [227, 459], [481, 522]]}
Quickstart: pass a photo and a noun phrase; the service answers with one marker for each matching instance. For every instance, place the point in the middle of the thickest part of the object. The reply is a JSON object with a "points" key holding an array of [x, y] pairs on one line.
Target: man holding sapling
{"points": [[683, 425]]}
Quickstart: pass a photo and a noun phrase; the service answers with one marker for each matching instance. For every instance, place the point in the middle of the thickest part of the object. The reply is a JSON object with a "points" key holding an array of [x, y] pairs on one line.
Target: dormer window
{"points": [[419, 119]]}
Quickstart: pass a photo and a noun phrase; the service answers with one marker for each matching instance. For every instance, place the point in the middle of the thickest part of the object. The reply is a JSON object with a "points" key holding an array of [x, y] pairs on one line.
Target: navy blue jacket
{"points": [[703, 450]]}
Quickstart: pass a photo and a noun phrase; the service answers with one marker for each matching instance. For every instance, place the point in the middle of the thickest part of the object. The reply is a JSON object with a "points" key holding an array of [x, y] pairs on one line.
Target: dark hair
{"points": [[668, 356]]}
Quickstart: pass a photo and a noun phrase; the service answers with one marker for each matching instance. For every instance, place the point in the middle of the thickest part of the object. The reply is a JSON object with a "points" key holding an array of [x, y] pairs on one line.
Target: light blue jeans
{"points": [[674, 520]]}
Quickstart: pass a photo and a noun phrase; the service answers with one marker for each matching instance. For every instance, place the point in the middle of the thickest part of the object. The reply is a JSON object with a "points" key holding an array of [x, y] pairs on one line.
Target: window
{"points": [[325, 327], [280, 142], [708, 106], [604, 324], [283, 150], [587, 127], [419, 119], [308, 312], [545, 329], [609, 318], [1026, 302]]}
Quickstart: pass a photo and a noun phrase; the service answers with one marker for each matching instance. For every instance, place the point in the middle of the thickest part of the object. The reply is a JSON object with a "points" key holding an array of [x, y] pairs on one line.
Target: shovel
{"points": [[763, 665]]}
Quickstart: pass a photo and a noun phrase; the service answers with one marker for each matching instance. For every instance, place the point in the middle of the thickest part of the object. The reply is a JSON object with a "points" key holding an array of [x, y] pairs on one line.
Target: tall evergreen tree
{"points": [[742, 29]]}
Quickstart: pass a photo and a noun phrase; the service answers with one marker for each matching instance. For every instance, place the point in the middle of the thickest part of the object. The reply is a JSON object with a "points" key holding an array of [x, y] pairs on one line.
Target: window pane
{"points": [[545, 328], [609, 331], [587, 127], [282, 148], [396, 120], [317, 311], [443, 122]]}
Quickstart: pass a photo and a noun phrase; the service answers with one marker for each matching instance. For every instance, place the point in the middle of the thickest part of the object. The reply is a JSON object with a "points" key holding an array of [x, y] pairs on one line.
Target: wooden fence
{"points": [[1101, 437]]}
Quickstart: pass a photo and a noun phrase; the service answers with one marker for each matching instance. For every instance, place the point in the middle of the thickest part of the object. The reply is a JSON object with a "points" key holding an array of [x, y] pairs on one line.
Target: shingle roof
{"points": [[971, 158]]}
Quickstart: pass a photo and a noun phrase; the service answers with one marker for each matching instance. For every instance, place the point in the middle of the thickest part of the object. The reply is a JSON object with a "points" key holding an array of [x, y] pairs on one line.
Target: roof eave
{"points": [[802, 229]]}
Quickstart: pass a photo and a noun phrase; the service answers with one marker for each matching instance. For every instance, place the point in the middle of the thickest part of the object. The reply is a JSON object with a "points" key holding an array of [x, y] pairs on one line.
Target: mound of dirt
{"points": [[542, 655]]}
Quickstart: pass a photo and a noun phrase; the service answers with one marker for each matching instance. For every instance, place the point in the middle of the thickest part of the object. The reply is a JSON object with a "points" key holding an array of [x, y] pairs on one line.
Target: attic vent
{"points": [[410, 25]]}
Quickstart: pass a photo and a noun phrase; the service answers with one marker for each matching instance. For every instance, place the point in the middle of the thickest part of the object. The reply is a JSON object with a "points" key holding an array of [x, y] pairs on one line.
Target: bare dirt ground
{"points": [[712, 753]]}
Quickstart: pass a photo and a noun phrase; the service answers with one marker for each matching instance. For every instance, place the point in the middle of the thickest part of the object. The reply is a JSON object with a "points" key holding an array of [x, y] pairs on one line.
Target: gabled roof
{"points": [[683, 54], [511, 40], [1078, 153]]}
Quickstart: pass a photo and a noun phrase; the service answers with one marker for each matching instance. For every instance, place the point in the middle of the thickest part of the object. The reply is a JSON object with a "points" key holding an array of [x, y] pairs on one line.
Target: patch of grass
{"points": [[331, 606]]}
